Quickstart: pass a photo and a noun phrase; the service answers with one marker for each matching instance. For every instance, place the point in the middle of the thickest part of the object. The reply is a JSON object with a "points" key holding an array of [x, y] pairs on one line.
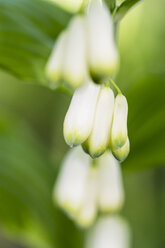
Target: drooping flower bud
{"points": [[118, 135], [122, 152], [102, 51], [70, 187], [109, 231], [98, 140], [54, 64], [74, 65], [79, 118], [89, 208], [111, 192]]}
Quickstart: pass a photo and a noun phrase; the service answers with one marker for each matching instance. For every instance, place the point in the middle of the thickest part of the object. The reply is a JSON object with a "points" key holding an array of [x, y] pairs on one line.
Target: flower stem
{"points": [[115, 86]]}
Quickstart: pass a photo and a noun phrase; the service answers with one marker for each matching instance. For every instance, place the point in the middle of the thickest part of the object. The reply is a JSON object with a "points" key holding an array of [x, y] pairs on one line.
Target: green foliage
{"points": [[146, 123], [142, 79], [123, 9], [28, 29], [26, 181]]}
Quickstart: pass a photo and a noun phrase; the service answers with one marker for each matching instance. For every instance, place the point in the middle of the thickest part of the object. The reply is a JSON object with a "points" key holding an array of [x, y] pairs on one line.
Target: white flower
{"points": [[89, 208], [119, 125], [122, 152], [109, 232], [74, 64], [54, 64], [79, 118], [76, 189], [102, 52], [98, 140], [70, 187], [84, 187], [111, 192]]}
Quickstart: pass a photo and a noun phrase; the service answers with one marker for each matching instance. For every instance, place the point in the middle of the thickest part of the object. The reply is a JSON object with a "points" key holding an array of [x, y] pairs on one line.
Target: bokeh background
{"points": [[31, 119]]}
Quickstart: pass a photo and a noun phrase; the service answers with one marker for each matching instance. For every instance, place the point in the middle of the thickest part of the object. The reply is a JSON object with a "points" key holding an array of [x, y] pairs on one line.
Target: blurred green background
{"points": [[31, 119]]}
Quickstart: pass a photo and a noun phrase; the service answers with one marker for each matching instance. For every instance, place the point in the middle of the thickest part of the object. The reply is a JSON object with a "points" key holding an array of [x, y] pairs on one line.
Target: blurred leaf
{"points": [[111, 4], [146, 123], [28, 29], [26, 181], [123, 8], [142, 79]]}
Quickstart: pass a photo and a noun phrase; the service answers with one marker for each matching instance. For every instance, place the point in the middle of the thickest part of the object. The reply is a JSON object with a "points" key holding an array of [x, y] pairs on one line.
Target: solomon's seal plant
{"points": [[82, 57], [96, 118]]}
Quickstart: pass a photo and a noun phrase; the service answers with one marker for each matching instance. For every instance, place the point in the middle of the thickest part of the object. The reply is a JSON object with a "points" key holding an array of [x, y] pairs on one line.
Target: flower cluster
{"points": [[82, 188], [85, 58], [86, 48], [85, 52], [97, 120]]}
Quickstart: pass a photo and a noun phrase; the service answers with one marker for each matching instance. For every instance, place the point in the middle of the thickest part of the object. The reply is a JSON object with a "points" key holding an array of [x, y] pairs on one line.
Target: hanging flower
{"points": [[109, 231], [98, 141], [55, 62], [70, 187], [111, 192], [74, 63], [80, 115], [119, 125], [84, 188], [102, 52]]}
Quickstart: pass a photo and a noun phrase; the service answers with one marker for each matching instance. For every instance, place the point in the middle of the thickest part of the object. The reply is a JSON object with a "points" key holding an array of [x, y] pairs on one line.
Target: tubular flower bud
{"points": [[98, 140], [79, 118], [111, 194], [55, 62], [74, 66], [70, 187], [121, 153], [119, 126], [88, 210], [109, 231], [102, 51], [82, 188]]}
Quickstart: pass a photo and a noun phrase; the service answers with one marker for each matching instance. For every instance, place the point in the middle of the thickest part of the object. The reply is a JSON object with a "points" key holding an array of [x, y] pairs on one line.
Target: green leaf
{"points": [[27, 177], [28, 29], [123, 9], [146, 123]]}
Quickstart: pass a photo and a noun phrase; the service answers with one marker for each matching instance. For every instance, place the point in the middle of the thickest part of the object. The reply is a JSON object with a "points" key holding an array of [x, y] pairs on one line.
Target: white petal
{"points": [[88, 210], [119, 125], [79, 118], [109, 232], [74, 67], [100, 134], [103, 56], [70, 187], [121, 153], [111, 192], [54, 65]]}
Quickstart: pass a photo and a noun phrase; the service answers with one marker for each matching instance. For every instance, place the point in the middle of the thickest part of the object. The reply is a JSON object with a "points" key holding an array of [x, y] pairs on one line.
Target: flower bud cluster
{"points": [[83, 189], [97, 120], [86, 48], [83, 54]]}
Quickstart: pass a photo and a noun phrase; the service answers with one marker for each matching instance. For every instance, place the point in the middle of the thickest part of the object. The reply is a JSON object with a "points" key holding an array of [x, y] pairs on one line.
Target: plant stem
{"points": [[115, 86]]}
